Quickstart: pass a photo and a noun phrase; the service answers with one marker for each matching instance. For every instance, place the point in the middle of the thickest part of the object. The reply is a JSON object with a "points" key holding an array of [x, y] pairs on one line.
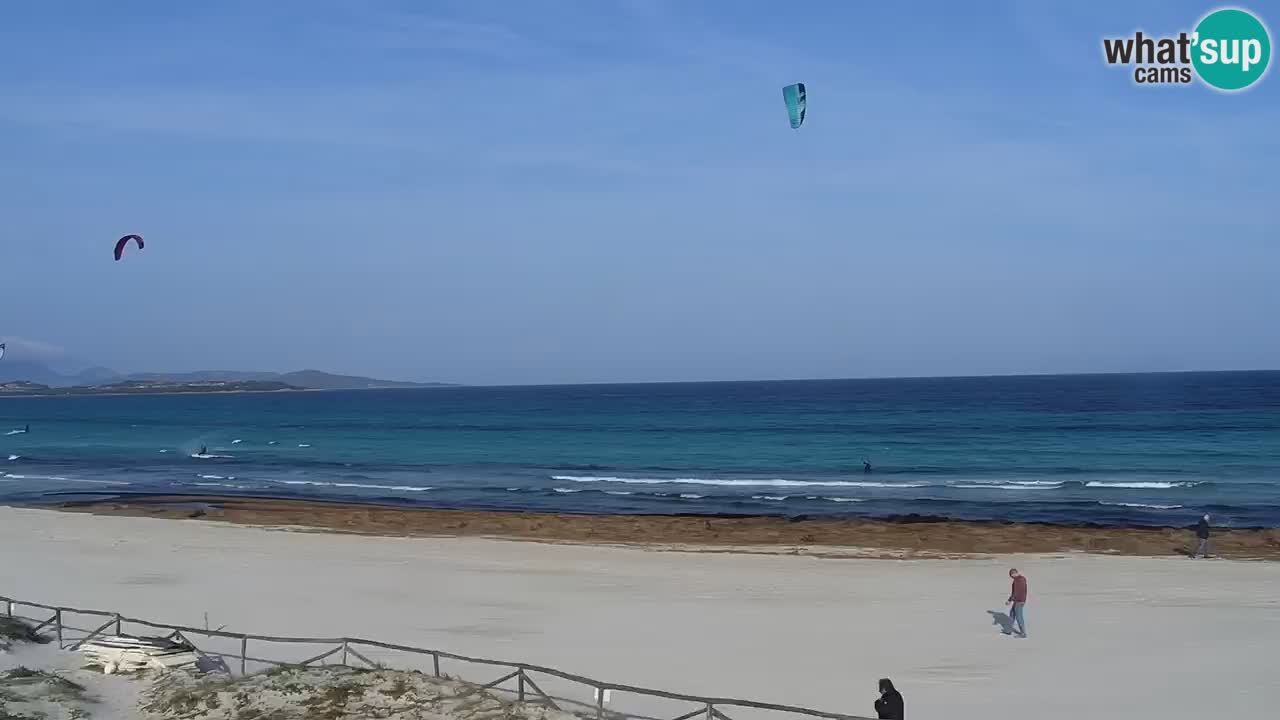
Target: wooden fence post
{"points": [[524, 681]]}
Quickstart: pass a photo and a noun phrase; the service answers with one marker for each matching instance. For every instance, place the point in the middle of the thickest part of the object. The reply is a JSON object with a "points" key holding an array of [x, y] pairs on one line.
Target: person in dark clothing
{"points": [[866, 467], [889, 706], [1202, 532], [203, 450]]}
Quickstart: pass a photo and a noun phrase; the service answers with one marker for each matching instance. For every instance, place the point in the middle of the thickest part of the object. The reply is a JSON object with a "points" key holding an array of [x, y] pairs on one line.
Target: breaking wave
{"points": [[319, 483], [1141, 505], [1140, 485], [745, 482]]}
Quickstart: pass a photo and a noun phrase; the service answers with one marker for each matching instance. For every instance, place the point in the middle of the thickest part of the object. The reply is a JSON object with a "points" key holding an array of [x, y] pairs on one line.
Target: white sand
{"points": [[1110, 637], [111, 697]]}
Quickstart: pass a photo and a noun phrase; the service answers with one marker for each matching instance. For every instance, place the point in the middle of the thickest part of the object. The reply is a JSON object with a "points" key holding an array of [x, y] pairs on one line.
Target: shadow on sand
{"points": [[1003, 620]]}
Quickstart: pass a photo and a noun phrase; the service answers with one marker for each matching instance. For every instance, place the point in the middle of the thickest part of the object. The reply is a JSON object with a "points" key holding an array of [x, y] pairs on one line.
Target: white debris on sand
{"points": [[124, 653], [332, 693], [42, 682]]}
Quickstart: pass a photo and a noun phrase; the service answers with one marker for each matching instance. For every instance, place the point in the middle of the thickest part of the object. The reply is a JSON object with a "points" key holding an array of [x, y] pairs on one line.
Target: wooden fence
{"points": [[346, 651]]}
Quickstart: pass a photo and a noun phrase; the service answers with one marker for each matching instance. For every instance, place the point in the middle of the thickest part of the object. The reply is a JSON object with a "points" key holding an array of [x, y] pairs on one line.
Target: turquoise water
{"points": [[1116, 449]]}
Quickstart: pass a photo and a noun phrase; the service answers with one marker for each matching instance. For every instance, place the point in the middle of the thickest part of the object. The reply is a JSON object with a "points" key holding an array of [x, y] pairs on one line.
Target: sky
{"points": [[560, 191]]}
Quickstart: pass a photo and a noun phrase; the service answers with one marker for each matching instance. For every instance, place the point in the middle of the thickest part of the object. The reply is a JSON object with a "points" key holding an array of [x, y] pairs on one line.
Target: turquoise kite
{"points": [[794, 95]]}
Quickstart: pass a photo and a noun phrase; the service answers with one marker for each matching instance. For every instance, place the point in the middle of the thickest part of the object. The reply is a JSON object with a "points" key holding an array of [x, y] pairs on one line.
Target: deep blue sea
{"points": [[1155, 449]]}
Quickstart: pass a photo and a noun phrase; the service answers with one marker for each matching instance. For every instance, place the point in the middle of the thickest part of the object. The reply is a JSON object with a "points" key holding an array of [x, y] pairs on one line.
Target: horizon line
{"points": [[605, 383], [871, 378]]}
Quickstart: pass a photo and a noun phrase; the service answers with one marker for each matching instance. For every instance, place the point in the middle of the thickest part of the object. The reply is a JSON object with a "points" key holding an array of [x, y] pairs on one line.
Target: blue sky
{"points": [[589, 191]]}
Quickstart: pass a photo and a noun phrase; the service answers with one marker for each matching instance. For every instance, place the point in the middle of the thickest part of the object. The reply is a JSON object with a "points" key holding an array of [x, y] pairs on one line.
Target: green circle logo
{"points": [[1232, 49]]}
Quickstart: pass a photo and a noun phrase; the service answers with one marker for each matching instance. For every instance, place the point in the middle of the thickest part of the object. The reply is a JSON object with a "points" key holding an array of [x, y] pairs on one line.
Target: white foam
{"points": [[1011, 486], [775, 498], [210, 477], [1141, 505], [839, 499], [164, 451], [400, 488], [566, 490], [58, 478], [1001, 483], [14, 457], [617, 492], [210, 456], [16, 432], [775, 482], [303, 445], [691, 496], [272, 442], [236, 442], [1138, 485], [884, 485]]}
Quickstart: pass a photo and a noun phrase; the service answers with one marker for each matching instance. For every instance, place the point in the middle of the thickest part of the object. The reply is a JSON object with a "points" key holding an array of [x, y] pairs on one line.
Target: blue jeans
{"points": [[1019, 616], [1203, 550]]}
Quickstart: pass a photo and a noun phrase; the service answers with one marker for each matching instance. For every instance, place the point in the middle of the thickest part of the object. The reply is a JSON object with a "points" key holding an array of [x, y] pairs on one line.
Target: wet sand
{"points": [[746, 534]]}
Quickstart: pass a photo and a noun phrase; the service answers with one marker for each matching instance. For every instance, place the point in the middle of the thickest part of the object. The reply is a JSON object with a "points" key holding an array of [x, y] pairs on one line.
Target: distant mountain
{"points": [[143, 387], [317, 380], [206, 376], [307, 379]]}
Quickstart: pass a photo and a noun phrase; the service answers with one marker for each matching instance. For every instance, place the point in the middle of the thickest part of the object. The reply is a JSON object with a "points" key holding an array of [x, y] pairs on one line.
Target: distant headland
{"points": [[141, 387], [35, 380]]}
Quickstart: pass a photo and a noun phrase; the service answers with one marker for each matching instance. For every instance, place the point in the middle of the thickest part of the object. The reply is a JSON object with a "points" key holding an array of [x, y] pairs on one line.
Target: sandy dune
{"points": [[1110, 636]]}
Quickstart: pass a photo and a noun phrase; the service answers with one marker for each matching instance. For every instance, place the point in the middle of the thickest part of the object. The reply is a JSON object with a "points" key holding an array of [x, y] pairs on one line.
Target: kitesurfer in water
{"points": [[203, 450], [866, 467]]}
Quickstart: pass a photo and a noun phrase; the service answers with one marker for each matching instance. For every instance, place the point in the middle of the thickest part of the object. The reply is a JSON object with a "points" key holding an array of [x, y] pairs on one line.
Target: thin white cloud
{"points": [[395, 30], [27, 350]]}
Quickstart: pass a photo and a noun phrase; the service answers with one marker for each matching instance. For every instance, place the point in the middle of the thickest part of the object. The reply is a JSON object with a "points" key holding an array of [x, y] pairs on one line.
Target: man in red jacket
{"points": [[1018, 601]]}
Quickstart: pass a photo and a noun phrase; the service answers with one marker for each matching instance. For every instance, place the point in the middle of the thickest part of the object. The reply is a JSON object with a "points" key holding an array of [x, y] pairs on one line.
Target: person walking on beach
{"points": [[1018, 601], [1202, 532], [889, 704]]}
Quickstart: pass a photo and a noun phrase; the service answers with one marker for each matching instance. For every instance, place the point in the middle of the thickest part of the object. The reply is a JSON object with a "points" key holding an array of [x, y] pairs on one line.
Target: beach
{"points": [[1160, 637]]}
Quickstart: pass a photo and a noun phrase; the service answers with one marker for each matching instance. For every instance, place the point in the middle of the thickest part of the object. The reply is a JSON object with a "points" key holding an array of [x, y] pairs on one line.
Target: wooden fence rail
{"points": [[707, 707]]}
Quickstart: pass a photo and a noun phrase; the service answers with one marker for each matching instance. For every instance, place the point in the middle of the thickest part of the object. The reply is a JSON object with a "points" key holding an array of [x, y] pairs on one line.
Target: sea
{"points": [[1110, 450]]}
